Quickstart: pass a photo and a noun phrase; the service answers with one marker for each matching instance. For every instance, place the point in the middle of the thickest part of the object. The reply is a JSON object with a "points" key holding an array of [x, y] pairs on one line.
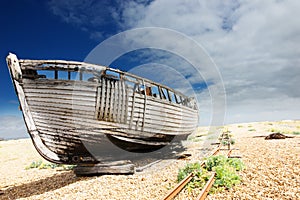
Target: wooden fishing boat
{"points": [[72, 108]]}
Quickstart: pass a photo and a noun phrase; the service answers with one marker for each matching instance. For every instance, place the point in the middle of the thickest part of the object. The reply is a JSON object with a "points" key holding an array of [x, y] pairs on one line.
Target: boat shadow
{"points": [[39, 186]]}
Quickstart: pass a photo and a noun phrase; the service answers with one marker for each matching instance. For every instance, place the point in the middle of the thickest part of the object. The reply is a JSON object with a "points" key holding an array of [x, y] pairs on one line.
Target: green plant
{"points": [[212, 137], [229, 141], [195, 138], [240, 126], [42, 165], [191, 137], [34, 164], [252, 129], [226, 176], [296, 133], [225, 168], [274, 130], [213, 161], [189, 168], [236, 163], [200, 175], [226, 171]]}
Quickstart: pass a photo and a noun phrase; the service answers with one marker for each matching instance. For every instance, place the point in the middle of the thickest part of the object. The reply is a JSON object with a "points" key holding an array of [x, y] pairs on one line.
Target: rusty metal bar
{"points": [[216, 151], [229, 152], [178, 187], [187, 179], [207, 187]]}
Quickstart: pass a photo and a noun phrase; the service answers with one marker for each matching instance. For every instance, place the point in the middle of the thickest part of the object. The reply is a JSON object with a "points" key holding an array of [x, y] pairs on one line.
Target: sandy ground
{"points": [[273, 171]]}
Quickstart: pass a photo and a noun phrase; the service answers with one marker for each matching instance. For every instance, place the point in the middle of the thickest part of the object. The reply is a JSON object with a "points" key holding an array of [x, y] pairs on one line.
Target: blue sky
{"points": [[31, 30], [254, 44]]}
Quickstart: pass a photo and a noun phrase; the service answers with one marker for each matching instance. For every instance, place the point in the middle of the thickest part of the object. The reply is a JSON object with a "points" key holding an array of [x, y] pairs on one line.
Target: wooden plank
{"points": [[74, 96], [92, 136], [125, 167], [67, 145], [132, 107], [126, 103], [111, 102], [166, 105], [119, 112], [106, 104], [60, 65], [172, 117], [159, 106], [103, 88], [62, 111], [63, 106], [123, 118], [93, 123], [153, 116], [115, 106], [45, 83], [145, 105], [175, 116], [78, 119], [165, 102], [80, 102], [53, 91], [62, 135], [97, 110], [75, 137], [143, 141], [68, 127]]}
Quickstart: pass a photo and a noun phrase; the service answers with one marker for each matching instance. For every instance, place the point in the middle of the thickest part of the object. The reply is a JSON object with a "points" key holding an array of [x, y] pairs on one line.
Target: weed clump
{"points": [[226, 173], [43, 165]]}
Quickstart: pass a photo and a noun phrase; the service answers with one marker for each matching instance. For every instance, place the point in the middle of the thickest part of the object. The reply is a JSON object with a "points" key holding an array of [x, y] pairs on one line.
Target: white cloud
{"points": [[254, 43], [12, 126]]}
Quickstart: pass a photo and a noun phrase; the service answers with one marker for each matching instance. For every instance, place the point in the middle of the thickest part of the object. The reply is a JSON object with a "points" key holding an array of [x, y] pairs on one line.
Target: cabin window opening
{"points": [[63, 75], [129, 78], [155, 91], [148, 91], [136, 88], [74, 76], [45, 74], [130, 85], [142, 89], [112, 75], [89, 77], [184, 101], [178, 99], [173, 98], [165, 94]]}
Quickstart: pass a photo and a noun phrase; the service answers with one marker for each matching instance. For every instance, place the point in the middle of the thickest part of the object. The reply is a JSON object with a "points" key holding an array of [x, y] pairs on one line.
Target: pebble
{"points": [[273, 172]]}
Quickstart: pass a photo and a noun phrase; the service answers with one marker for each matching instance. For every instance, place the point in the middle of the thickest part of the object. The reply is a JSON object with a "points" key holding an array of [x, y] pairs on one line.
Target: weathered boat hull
{"points": [[72, 119]]}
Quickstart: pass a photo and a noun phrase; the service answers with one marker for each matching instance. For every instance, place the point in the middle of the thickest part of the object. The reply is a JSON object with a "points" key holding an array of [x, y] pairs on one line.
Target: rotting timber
{"points": [[79, 113]]}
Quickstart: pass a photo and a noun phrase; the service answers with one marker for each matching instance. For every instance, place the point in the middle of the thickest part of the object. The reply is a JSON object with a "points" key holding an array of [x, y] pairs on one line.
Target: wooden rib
{"points": [[123, 102], [111, 101], [119, 113], [98, 102]]}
